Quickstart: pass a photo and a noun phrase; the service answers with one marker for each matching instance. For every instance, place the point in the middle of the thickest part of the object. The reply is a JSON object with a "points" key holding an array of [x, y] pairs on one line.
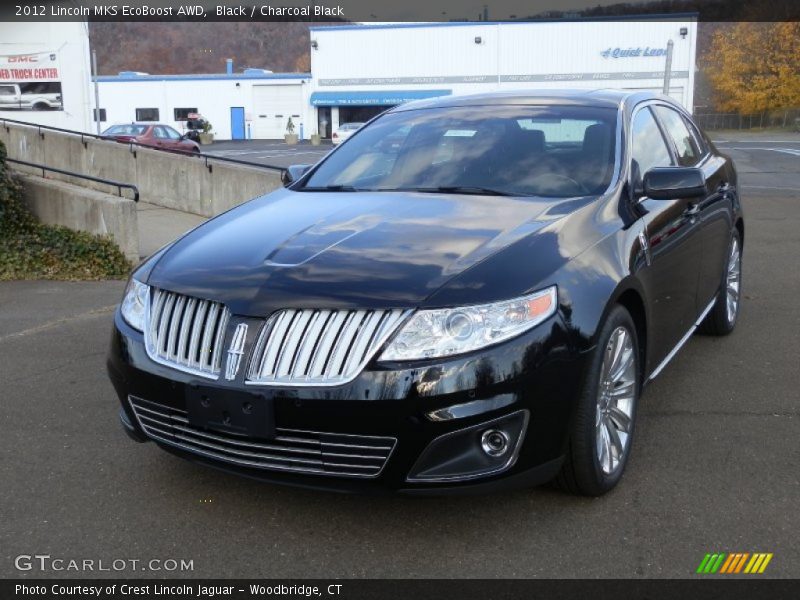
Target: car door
{"points": [[674, 247], [714, 211], [173, 139], [160, 138]]}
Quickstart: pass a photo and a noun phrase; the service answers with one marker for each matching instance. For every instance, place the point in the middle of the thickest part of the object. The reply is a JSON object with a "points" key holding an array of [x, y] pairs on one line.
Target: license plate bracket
{"points": [[230, 411]]}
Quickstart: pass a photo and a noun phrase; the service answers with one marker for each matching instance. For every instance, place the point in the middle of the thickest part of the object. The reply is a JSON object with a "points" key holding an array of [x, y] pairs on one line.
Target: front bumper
{"points": [[436, 412]]}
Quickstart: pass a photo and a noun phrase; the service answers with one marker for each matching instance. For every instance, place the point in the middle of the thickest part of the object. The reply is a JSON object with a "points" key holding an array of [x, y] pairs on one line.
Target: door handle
{"points": [[692, 211]]}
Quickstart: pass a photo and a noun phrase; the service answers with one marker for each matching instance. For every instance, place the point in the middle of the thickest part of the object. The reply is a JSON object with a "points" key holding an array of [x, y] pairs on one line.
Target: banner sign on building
{"points": [[30, 82]]}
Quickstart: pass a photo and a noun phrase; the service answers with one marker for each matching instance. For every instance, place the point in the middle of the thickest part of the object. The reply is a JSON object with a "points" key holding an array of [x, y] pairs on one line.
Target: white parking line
{"points": [[266, 153], [770, 187], [756, 141], [792, 151]]}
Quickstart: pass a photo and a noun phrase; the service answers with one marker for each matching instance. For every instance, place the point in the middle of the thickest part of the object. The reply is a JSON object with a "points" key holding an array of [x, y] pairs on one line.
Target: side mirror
{"points": [[671, 183], [293, 173]]}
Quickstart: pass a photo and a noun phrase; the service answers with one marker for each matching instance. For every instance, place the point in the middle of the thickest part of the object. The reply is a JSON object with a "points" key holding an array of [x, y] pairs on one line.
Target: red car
{"points": [[157, 135]]}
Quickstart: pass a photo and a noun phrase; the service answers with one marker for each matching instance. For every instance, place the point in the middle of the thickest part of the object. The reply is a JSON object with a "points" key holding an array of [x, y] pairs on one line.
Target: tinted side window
{"points": [[688, 153], [147, 114], [648, 147], [171, 133], [699, 138]]}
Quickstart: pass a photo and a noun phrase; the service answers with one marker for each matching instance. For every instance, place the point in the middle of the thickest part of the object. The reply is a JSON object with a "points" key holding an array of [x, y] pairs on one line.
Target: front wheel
{"points": [[602, 429], [723, 316]]}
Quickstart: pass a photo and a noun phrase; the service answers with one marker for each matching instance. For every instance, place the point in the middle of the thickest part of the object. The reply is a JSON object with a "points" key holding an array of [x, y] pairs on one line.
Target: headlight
{"points": [[447, 331], [134, 303]]}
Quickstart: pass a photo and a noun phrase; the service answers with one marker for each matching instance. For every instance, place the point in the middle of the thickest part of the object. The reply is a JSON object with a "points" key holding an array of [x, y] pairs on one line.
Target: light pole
{"points": [[668, 67], [96, 93]]}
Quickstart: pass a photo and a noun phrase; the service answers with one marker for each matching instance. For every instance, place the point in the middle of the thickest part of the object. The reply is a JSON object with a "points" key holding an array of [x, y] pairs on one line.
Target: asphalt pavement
{"points": [[714, 467], [270, 152]]}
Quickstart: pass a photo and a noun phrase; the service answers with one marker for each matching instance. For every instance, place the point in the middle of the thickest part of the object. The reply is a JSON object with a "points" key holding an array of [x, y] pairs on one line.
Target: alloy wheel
{"points": [[733, 280], [615, 400]]}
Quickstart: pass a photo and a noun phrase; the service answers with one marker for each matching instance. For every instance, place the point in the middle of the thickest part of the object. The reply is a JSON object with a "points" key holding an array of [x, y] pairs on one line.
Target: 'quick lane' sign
{"points": [[633, 52]]}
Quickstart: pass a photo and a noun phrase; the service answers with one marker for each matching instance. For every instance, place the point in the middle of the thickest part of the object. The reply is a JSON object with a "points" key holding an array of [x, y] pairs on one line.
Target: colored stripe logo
{"points": [[734, 562]]}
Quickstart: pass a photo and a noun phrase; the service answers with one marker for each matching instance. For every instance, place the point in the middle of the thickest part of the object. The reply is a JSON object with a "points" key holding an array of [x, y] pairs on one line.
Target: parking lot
{"points": [[269, 152], [714, 467]]}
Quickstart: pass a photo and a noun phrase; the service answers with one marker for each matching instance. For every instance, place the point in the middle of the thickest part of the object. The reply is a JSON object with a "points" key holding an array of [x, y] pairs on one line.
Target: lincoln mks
{"points": [[470, 293]]}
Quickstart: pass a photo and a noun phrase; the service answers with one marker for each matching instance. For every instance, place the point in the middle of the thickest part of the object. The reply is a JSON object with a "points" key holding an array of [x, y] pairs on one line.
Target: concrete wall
{"points": [[60, 203], [170, 180]]}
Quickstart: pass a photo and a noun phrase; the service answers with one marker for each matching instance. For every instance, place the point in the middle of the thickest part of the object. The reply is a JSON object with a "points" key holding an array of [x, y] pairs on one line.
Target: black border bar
{"points": [[702, 588], [344, 11]]}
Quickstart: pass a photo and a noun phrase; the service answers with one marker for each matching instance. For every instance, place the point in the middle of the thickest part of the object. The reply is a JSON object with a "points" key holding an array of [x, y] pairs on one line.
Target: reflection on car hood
{"points": [[323, 250]]}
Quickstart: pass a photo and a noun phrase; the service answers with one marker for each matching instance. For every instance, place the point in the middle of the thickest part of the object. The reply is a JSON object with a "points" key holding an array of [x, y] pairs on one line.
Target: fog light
{"points": [[481, 450], [494, 442]]}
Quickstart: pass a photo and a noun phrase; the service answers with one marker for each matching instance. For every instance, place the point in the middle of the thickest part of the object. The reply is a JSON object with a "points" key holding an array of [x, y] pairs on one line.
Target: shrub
{"points": [[32, 250]]}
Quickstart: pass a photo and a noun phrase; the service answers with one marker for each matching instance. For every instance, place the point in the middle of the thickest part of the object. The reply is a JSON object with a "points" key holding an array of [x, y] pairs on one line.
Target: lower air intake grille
{"points": [[292, 450], [318, 347]]}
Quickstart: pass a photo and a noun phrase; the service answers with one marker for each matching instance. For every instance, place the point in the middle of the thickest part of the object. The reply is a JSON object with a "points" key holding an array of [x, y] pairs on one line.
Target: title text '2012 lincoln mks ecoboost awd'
{"points": [[468, 294]]}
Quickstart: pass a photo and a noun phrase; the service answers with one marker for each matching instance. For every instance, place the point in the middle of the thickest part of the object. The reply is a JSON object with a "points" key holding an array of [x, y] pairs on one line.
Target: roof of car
{"points": [[611, 98]]}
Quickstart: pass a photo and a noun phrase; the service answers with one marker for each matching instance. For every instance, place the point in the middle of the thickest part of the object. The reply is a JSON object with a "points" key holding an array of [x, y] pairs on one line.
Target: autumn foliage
{"points": [[755, 67]]}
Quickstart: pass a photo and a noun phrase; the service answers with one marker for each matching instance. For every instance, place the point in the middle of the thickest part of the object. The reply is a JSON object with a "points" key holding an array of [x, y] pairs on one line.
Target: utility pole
{"points": [[96, 93], [668, 67]]}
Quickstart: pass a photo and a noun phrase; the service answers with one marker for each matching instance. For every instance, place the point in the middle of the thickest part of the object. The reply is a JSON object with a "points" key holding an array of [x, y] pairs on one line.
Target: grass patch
{"points": [[32, 250]]}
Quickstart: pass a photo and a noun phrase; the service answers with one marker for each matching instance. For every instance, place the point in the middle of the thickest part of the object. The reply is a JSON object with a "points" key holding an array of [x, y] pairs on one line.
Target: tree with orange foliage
{"points": [[755, 67]]}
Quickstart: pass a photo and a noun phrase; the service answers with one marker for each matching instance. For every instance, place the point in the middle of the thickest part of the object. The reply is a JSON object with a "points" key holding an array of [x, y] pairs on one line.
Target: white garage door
{"points": [[272, 107]]}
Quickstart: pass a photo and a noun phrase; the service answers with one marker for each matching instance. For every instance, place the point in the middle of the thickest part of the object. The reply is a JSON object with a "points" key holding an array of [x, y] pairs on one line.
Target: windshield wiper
{"points": [[450, 189], [331, 188]]}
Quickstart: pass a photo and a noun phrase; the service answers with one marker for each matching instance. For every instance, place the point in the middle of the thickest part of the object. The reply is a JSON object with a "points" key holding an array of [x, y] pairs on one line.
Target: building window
{"points": [[147, 114], [182, 114], [102, 115]]}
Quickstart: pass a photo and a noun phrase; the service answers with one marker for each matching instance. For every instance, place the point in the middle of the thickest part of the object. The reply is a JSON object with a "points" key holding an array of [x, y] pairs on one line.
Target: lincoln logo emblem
{"points": [[235, 351]]}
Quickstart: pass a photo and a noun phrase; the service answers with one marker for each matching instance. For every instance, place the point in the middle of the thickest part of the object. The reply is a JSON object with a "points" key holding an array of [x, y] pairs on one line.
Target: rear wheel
{"points": [[602, 430], [723, 316]]}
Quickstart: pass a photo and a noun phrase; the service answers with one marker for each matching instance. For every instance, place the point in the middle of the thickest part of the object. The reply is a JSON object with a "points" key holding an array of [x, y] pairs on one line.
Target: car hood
{"points": [[339, 249]]}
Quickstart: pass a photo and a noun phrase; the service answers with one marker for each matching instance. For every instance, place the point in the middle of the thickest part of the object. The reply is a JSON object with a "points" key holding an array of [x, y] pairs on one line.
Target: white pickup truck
{"points": [[31, 96]]}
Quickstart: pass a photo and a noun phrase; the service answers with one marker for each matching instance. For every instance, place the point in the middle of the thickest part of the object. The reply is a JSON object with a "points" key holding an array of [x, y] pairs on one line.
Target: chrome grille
{"points": [[313, 347], [292, 450], [186, 333]]}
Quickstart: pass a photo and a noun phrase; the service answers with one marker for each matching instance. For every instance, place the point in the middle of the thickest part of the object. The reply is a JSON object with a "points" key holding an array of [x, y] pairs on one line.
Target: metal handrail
{"points": [[110, 182], [131, 144]]}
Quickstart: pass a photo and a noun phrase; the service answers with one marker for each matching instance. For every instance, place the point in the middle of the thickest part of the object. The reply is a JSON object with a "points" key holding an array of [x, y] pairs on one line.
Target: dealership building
{"points": [[45, 74], [358, 71]]}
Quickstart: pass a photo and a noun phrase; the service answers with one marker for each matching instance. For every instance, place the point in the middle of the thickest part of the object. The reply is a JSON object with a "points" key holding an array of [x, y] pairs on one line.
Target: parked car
{"points": [[33, 96], [344, 131], [476, 306], [157, 135]]}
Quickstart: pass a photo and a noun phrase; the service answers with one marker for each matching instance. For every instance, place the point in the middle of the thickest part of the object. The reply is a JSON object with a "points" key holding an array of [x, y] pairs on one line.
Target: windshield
{"points": [[125, 130], [556, 151]]}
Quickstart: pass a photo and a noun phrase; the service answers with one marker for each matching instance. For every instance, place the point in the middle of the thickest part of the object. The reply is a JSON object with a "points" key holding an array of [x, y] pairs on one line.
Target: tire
{"points": [[722, 318], [590, 467]]}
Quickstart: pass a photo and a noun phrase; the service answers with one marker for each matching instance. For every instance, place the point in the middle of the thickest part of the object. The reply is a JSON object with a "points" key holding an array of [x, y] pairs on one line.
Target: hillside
{"points": [[167, 48]]}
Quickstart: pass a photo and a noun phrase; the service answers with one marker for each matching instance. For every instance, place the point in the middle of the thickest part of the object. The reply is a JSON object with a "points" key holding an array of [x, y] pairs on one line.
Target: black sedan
{"points": [[470, 293]]}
